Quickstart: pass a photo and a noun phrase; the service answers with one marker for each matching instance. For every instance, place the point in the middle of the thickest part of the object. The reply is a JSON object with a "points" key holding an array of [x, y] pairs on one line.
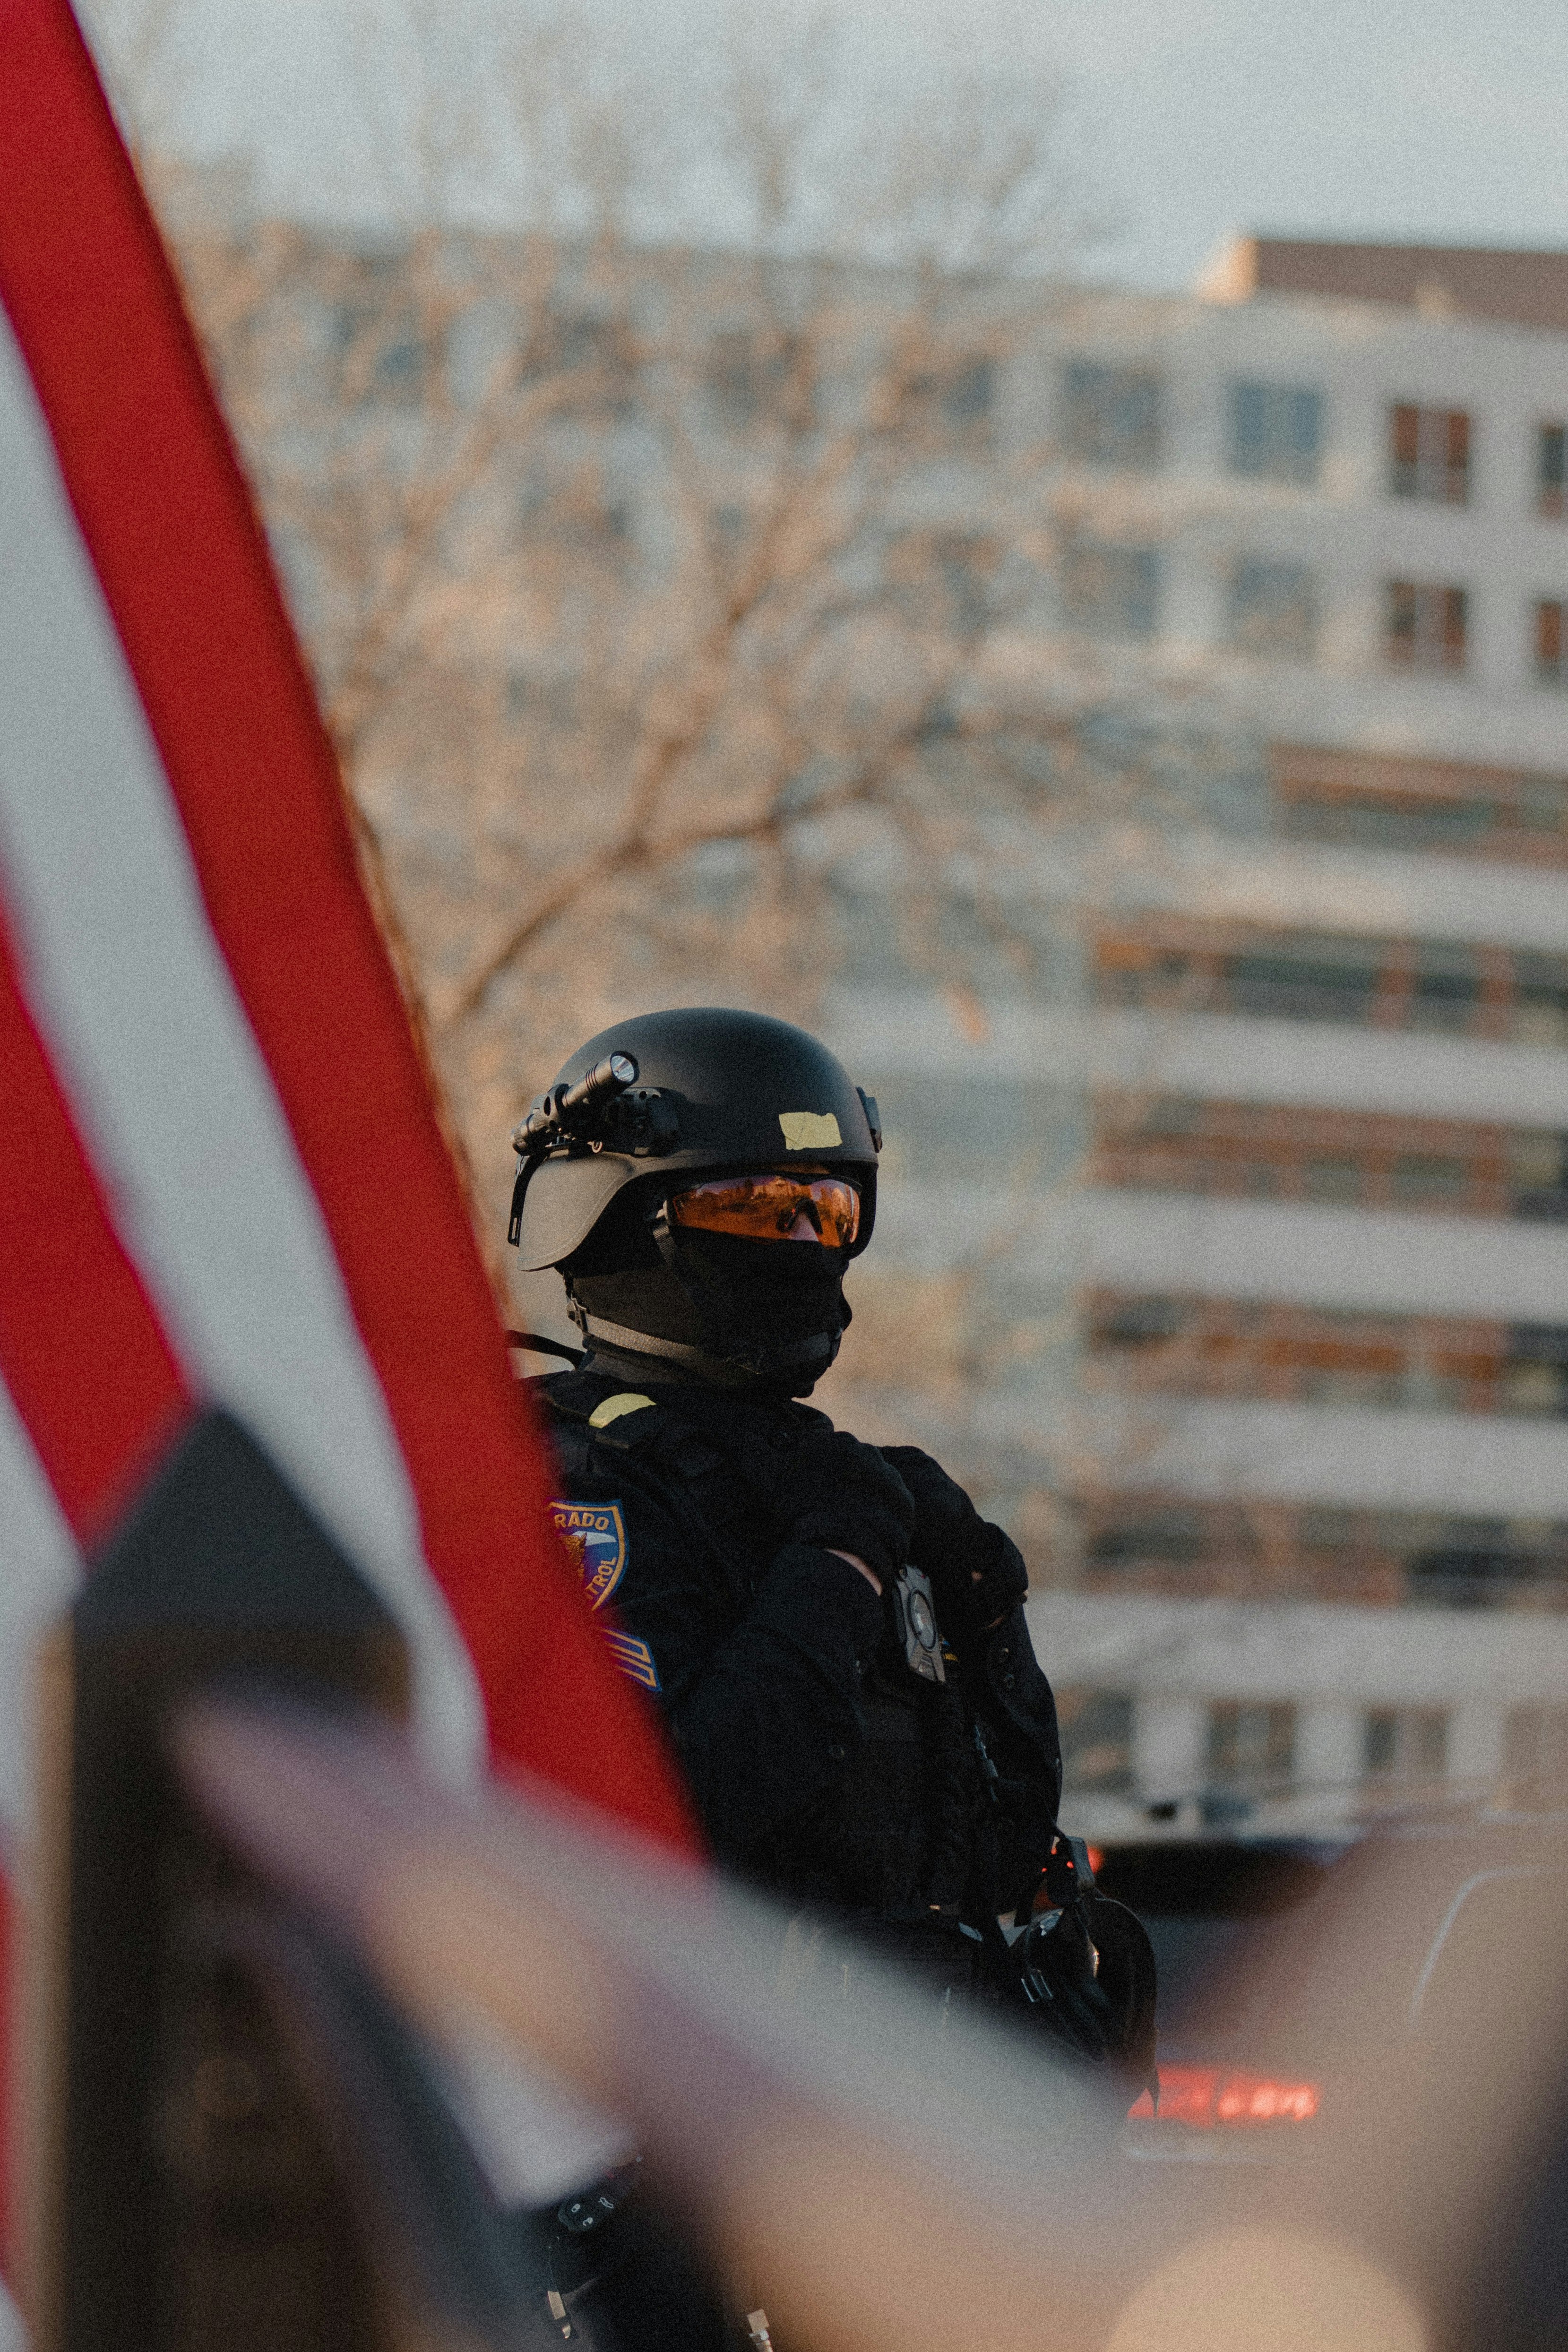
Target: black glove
{"points": [[1127, 1976], [1089, 1978], [976, 1572], [842, 1496], [1057, 1966]]}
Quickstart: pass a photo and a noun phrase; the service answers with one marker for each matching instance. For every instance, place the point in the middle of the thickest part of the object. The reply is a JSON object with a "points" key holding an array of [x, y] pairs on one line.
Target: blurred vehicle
{"points": [[1264, 2032], [1237, 2077]]}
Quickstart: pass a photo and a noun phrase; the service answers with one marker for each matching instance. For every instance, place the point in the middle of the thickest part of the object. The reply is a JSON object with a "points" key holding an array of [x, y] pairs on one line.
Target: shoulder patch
{"points": [[634, 1658], [596, 1534], [612, 1408]]}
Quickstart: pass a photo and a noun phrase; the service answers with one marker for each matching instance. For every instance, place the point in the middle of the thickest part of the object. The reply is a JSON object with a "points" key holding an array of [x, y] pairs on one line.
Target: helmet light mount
{"points": [[606, 1110]]}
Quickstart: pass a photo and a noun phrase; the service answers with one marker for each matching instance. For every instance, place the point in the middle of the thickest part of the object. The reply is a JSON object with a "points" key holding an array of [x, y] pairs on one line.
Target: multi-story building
{"points": [[1222, 1238], [1290, 1133]]}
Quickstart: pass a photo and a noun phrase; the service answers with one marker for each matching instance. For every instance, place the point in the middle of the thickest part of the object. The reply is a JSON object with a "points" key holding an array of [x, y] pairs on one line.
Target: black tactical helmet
{"points": [[699, 1093], [739, 1091]]}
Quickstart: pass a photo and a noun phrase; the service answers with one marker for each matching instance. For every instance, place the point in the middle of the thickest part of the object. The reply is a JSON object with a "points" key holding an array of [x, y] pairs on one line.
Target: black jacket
{"points": [[822, 1768]]}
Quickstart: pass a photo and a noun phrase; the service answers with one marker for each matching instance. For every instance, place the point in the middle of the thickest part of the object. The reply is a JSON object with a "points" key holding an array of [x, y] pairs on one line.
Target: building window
{"points": [[1174, 1345], [1429, 454], [592, 528], [1111, 592], [597, 350], [951, 402], [943, 581], [1190, 1346], [1535, 1745], [1096, 1740], [1273, 609], [1551, 470], [382, 354], [1550, 650], [1282, 1551], [1405, 1743], [1363, 1159], [1400, 803], [1250, 1745], [1275, 431], [1425, 625], [1453, 987], [1112, 415], [756, 380], [1175, 1536], [968, 393]]}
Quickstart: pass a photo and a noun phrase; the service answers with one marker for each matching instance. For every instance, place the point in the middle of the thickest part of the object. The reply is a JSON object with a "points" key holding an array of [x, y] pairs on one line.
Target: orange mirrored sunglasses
{"points": [[770, 1209]]}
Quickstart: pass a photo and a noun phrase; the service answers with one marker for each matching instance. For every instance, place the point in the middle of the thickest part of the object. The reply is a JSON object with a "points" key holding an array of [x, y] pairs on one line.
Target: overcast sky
{"points": [[1442, 120], [1445, 122]]}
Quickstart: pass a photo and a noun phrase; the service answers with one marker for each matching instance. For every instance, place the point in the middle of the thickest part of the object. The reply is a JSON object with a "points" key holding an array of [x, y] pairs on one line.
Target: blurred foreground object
{"points": [[868, 2205], [183, 2191], [234, 2143], [868, 2184]]}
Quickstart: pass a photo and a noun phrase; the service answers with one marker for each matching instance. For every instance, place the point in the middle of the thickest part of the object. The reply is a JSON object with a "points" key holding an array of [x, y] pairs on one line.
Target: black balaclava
{"points": [[715, 1307]]}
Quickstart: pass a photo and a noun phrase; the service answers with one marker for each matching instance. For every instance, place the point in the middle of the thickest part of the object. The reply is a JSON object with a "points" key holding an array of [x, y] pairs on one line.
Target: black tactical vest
{"points": [[905, 1838]]}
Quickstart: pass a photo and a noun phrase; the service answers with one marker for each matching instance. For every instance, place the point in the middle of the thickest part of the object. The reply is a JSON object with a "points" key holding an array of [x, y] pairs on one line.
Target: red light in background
{"points": [[1255, 2099], [1204, 2096], [1096, 1859]]}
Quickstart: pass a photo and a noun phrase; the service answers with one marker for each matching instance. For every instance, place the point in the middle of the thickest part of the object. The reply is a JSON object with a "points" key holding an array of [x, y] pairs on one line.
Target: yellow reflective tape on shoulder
{"points": [[613, 1407], [808, 1130]]}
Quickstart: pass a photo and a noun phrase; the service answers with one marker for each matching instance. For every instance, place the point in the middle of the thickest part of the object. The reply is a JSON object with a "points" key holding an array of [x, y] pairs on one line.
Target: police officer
{"points": [[835, 1637]]}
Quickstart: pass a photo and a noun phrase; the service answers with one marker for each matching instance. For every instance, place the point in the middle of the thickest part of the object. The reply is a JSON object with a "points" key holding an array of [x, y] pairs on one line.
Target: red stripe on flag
{"points": [[169, 525], [81, 1348]]}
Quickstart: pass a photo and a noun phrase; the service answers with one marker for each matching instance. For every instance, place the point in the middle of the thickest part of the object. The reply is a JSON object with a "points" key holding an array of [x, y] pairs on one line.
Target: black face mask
{"points": [[734, 1312]]}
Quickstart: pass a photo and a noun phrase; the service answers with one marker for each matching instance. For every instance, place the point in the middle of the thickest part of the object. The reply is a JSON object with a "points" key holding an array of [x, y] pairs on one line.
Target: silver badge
{"points": [[917, 1622]]}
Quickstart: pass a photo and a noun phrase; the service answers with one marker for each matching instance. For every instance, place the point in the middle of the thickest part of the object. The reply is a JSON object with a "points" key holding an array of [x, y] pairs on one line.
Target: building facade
{"points": [[1309, 1247], [1223, 1243]]}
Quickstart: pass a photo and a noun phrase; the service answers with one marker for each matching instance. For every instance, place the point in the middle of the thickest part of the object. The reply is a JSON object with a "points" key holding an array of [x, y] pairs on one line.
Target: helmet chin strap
{"points": [[745, 1368]]}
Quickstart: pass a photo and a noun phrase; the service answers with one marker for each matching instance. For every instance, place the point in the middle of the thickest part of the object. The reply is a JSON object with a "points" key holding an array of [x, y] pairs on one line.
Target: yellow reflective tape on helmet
{"points": [[808, 1130], [613, 1407]]}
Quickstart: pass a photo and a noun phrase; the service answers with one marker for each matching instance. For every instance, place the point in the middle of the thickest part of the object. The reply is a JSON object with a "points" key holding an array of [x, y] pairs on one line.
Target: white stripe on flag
{"points": [[39, 1571], [167, 1083]]}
